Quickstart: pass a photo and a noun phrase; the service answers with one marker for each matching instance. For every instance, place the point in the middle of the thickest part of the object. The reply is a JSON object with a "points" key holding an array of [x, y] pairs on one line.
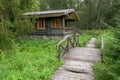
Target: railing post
{"points": [[102, 47], [77, 40], [68, 44], [59, 53], [102, 42]]}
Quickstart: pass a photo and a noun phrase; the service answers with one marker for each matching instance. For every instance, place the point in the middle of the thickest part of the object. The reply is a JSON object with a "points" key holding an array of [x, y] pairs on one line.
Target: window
{"points": [[55, 23], [41, 24]]}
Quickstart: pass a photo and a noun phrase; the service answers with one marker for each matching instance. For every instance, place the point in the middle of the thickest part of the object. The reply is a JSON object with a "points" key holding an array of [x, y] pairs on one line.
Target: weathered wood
{"points": [[64, 39], [59, 55], [68, 42], [56, 31], [69, 29], [54, 13], [102, 42], [78, 63], [53, 21], [102, 47]]}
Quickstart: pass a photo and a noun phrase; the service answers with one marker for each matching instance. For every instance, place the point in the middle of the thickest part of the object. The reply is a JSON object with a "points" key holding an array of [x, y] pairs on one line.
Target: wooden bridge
{"points": [[78, 60]]}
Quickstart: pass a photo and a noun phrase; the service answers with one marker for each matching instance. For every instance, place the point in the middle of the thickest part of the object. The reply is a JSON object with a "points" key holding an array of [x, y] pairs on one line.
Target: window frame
{"points": [[41, 24], [56, 23]]}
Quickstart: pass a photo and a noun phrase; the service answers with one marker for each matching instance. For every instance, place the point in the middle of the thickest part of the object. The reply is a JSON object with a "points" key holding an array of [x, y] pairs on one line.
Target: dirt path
{"points": [[78, 63]]}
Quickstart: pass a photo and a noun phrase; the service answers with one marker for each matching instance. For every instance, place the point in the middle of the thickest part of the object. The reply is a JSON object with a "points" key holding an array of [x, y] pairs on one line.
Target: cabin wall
{"points": [[41, 31], [57, 30], [49, 30], [61, 29]]}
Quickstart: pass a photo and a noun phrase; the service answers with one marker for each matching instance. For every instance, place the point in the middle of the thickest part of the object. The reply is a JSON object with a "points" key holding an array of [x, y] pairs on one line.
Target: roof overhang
{"points": [[70, 13]]}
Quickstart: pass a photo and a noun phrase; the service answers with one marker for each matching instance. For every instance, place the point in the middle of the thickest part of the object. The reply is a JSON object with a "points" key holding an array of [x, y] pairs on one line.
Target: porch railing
{"points": [[69, 29]]}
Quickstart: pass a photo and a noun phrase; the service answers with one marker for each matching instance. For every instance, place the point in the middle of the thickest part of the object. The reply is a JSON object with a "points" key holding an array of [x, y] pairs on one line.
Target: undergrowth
{"points": [[33, 59], [84, 39], [108, 69]]}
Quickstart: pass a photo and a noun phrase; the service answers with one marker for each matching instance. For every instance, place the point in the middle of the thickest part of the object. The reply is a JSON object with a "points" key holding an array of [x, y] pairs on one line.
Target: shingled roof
{"points": [[53, 13]]}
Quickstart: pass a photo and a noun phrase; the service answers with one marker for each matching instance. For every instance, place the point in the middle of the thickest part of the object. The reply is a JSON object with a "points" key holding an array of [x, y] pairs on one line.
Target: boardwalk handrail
{"points": [[102, 42], [68, 42], [65, 38], [102, 47]]}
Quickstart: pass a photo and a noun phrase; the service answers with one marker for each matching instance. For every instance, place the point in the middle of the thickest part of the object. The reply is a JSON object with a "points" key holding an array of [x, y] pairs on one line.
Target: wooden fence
{"points": [[68, 42]]}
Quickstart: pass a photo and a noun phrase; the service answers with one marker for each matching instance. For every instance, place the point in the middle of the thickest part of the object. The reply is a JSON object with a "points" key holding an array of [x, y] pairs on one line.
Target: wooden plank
{"points": [[50, 15]]}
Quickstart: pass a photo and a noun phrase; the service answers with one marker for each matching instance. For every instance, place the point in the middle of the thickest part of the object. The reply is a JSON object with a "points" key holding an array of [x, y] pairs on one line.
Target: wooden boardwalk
{"points": [[78, 63]]}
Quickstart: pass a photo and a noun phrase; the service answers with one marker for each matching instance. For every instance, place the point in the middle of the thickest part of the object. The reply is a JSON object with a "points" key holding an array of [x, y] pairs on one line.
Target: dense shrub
{"points": [[110, 69], [12, 22]]}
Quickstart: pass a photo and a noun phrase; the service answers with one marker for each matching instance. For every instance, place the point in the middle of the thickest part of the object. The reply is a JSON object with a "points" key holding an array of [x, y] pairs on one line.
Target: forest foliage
{"points": [[93, 14], [109, 68], [12, 23]]}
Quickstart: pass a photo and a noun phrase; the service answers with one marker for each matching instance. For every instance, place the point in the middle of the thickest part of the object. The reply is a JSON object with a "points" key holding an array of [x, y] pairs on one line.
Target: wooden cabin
{"points": [[54, 22]]}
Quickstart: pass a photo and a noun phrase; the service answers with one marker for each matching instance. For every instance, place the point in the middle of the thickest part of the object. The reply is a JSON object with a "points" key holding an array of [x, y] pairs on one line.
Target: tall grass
{"points": [[33, 59]]}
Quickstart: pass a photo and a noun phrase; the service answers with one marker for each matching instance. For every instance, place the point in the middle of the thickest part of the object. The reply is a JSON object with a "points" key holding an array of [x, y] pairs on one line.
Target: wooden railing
{"points": [[102, 47], [68, 42], [69, 29], [102, 42]]}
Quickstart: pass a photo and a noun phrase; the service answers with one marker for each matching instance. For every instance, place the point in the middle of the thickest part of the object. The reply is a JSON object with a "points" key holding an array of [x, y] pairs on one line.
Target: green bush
{"points": [[102, 72], [83, 39], [94, 32], [98, 42], [109, 69], [6, 37]]}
